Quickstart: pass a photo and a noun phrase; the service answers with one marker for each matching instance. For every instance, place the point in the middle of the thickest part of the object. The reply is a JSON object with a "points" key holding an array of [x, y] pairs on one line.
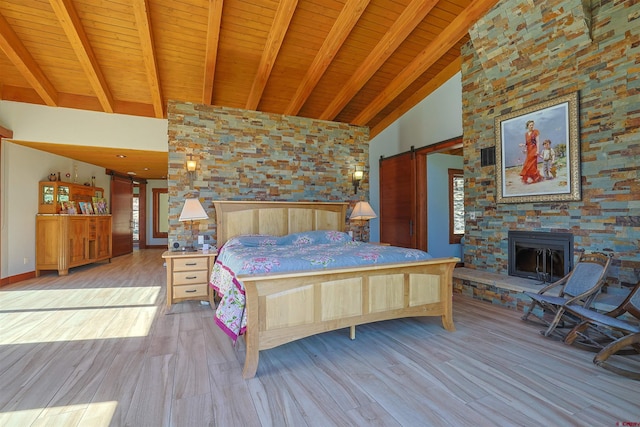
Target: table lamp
{"points": [[192, 211], [362, 212]]}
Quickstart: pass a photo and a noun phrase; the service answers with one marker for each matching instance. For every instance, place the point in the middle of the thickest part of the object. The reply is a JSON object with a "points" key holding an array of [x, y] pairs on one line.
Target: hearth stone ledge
{"points": [[508, 291]]}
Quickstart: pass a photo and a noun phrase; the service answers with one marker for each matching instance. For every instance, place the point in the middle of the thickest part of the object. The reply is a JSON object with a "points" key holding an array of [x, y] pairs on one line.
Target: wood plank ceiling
{"points": [[364, 62]]}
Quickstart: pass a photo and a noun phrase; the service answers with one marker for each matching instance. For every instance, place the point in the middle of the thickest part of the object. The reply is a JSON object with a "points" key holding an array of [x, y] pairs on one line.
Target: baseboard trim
{"points": [[5, 281]]}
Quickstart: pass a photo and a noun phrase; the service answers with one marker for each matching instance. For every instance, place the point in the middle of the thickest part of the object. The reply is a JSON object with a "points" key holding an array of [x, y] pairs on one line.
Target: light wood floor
{"points": [[96, 348]]}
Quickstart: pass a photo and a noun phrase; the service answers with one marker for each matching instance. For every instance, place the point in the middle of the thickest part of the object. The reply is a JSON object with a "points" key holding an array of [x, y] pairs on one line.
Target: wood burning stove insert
{"points": [[544, 256]]}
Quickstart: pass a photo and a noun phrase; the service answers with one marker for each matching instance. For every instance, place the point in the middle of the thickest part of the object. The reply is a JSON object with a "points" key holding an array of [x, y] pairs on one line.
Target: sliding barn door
{"points": [[398, 200], [122, 215]]}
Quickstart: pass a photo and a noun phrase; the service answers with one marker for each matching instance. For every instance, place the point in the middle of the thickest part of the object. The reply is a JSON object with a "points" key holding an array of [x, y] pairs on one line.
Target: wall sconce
{"points": [[357, 177], [192, 165]]}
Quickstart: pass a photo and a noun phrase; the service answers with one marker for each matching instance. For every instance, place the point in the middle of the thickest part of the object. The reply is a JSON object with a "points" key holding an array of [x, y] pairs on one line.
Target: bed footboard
{"points": [[285, 307]]}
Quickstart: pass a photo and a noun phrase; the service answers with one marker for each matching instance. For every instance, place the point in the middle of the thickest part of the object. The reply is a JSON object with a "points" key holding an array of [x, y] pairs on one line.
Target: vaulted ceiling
{"points": [[364, 62]]}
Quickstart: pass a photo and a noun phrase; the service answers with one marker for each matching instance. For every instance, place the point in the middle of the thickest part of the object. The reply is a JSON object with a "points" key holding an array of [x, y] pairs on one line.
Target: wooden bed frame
{"points": [[284, 307]]}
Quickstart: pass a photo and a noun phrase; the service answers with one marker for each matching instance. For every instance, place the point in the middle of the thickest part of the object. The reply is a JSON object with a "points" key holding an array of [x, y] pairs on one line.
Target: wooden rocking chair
{"points": [[620, 328], [579, 287]]}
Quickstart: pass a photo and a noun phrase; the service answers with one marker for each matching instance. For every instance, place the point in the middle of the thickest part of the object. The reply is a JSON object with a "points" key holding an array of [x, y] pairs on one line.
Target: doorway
{"points": [[404, 198], [122, 214]]}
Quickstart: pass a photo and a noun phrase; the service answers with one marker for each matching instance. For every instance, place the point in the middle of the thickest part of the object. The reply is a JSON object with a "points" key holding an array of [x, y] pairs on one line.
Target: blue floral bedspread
{"points": [[312, 250]]}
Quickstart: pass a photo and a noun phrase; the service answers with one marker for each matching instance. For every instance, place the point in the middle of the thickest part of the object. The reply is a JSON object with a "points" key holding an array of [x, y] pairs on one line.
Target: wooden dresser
{"points": [[66, 241], [188, 275]]}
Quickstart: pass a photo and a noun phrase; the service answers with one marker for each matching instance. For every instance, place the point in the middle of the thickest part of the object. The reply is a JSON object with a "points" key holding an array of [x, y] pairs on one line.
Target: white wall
{"points": [[438, 166], [21, 168], [40, 123], [436, 118]]}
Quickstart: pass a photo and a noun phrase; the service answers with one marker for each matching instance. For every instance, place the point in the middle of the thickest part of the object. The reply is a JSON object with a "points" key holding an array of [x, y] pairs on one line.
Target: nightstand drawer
{"points": [[189, 277], [190, 264], [188, 291]]}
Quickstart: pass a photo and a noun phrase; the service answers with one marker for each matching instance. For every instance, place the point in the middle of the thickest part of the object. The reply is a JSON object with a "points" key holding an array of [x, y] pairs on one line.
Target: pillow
{"points": [[314, 238], [253, 240]]}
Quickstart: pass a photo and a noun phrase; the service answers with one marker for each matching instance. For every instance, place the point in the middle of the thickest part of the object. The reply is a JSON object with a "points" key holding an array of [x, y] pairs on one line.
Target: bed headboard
{"points": [[234, 218]]}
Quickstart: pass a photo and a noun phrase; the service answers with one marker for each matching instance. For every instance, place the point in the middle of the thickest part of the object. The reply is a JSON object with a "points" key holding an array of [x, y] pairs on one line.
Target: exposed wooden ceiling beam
{"points": [[211, 56], [401, 28], [143, 21], [24, 62], [72, 27], [348, 18], [426, 58], [284, 13], [441, 78]]}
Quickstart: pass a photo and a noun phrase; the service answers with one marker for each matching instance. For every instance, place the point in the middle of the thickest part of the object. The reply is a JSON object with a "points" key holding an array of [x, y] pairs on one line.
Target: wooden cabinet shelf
{"points": [[66, 241], [54, 193]]}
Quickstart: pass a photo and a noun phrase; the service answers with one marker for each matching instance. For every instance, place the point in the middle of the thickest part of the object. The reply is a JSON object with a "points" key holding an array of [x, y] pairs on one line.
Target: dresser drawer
{"points": [[190, 277], [189, 264], [188, 291]]}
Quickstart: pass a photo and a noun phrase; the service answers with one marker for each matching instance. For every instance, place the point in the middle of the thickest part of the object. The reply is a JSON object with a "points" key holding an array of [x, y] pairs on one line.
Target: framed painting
{"points": [[538, 152]]}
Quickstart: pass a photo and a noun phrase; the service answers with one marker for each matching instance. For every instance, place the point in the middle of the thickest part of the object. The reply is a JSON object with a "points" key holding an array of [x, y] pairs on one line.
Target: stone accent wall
{"points": [[525, 52], [250, 155]]}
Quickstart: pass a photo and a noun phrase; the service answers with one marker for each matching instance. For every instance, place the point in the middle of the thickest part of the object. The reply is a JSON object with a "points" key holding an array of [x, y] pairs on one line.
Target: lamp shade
{"points": [[192, 210], [362, 211]]}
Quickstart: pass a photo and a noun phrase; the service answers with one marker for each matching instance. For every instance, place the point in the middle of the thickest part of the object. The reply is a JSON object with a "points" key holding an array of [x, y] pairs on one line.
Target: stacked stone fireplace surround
{"points": [[526, 52]]}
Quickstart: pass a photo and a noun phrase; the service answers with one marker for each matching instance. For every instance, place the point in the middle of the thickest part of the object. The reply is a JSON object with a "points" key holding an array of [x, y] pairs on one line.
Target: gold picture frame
{"points": [[527, 168]]}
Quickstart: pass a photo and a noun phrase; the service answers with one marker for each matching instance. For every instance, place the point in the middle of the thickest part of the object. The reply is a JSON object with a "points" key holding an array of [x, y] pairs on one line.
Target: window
{"points": [[136, 213], [136, 218], [456, 205]]}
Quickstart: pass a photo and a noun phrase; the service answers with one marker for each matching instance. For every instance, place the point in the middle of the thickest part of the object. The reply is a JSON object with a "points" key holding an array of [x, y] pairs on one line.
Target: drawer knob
{"points": [[191, 263], [190, 291], [191, 277]]}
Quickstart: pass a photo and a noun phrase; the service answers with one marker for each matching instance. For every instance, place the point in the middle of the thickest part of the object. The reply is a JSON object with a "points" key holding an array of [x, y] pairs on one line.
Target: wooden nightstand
{"points": [[188, 275]]}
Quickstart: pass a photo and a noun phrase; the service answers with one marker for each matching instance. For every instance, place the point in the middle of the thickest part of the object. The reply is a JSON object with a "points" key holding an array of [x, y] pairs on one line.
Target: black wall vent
{"points": [[488, 156]]}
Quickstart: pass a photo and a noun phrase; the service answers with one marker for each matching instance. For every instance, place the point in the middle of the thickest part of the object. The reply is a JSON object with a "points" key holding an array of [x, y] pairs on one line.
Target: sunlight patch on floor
{"points": [[92, 414], [74, 315], [52, 299], [76, 325]]}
